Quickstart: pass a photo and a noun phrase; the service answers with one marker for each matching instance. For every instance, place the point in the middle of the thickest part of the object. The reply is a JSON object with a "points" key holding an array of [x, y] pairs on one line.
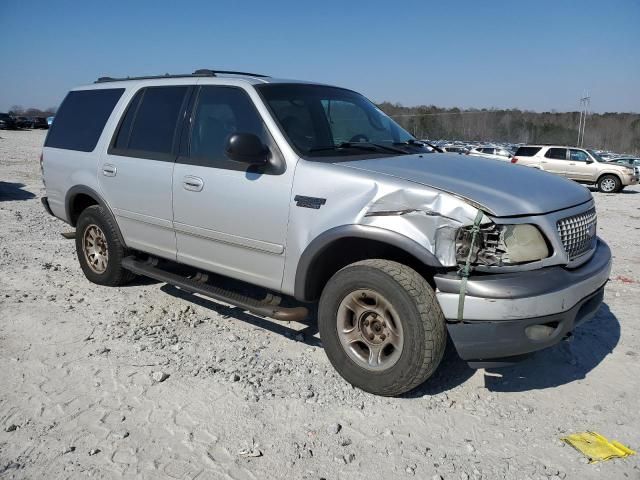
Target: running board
{"points": [[265, 307]]}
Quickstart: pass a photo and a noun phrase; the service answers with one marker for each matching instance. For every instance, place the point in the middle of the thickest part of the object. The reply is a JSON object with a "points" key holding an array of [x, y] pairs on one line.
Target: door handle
{"points": [[109, 170], [543, 161], [194, 184], [571, 163]]}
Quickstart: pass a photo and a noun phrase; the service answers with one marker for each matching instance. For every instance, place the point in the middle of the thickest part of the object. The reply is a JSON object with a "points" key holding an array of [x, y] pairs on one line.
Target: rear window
{"points": [[81, 119], [148, 129], [557, 153], [527, 151]]}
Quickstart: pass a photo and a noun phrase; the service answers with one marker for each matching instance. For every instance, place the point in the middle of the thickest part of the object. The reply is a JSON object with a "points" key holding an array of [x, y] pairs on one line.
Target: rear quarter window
{"points": [[527, 151], [81, 119]]}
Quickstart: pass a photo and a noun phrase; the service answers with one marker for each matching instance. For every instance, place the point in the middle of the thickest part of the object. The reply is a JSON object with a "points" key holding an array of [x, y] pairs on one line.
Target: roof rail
{"points": [[202, 72]]}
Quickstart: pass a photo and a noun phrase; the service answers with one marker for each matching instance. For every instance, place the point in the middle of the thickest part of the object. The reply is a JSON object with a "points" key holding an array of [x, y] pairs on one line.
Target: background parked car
{"points": [[39, 122], [630, 162], [23, 122], [7, 122], [579, 164], [496, 153]]}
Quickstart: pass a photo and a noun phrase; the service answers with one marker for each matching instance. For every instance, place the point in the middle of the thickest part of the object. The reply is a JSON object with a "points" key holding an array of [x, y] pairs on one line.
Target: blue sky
{"points": [[537, 55]]}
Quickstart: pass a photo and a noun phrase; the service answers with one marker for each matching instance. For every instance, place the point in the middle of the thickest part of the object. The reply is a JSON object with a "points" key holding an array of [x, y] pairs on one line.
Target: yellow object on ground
{"points": [[596, 447]]}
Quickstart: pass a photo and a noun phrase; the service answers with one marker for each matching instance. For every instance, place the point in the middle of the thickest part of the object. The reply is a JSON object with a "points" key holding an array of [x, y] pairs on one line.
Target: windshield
{"points": [[320, 121], [596, 157]]}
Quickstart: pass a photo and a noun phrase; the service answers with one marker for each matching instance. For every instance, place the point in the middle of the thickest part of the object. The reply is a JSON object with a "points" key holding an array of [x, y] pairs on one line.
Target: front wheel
{"points": [[381, 326], [609, 184]]}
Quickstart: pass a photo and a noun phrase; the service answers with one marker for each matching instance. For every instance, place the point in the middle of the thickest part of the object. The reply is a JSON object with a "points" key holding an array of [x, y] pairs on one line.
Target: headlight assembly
{"points": [[502, 245]]}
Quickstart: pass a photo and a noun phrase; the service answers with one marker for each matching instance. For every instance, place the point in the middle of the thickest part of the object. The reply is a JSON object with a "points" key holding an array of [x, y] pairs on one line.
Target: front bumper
{"points": [[508, 315]]}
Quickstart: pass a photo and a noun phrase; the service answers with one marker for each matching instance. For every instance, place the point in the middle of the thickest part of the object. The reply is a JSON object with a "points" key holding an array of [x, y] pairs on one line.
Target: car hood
{"points": [[501, 188]]}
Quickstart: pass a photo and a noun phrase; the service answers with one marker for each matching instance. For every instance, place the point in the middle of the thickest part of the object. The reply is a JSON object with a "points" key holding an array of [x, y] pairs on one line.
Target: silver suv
{"points": [[313, 194]]}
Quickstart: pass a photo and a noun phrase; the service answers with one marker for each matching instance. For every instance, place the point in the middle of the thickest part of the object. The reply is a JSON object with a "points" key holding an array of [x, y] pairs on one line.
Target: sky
{"points": [[536, 55]]}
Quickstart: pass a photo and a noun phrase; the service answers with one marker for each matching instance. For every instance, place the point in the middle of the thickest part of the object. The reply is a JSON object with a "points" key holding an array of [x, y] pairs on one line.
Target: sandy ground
{"points": [[250, 398]]}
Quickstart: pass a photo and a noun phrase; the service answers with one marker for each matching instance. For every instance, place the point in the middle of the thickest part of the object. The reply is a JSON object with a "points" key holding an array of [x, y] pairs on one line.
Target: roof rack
{"points": [[202, 72]]}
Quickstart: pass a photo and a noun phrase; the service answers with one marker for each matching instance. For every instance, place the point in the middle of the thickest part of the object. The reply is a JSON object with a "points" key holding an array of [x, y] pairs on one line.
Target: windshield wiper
{"points": [[418, 143], [371, 147]]}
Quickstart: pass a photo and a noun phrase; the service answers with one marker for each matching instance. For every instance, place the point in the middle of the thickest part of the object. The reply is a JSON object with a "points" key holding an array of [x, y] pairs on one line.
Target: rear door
{"points": [[136, 173], [579, 166], [555, 161], [229, 217]]}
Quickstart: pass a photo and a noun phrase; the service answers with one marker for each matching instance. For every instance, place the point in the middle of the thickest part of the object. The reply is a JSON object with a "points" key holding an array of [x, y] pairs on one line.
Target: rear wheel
{"points": [[609, 184], [381, 326], [100, 251]]}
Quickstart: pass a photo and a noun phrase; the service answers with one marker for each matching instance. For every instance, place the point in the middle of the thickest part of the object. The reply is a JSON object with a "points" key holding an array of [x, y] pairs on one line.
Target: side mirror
{"points": [[247, 148], [589, 160]]}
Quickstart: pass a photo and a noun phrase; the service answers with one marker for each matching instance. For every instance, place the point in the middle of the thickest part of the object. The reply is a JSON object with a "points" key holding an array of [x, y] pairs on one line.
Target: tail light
{"points": [[514, 159]]}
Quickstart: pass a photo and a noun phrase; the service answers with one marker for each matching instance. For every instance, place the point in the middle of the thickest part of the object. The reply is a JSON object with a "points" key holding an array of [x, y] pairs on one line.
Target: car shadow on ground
{"points": [[14, 191], [564, 363], [305, 335], [626, 191], [561, 364]]}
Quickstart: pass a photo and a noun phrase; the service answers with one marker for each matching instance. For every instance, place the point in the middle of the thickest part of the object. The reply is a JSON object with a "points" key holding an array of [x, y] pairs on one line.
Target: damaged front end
{"points": [[500, 245]]}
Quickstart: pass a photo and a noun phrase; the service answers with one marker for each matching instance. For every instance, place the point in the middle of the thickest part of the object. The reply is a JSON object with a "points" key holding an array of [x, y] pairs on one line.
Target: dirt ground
{"points": [[251, 398]]}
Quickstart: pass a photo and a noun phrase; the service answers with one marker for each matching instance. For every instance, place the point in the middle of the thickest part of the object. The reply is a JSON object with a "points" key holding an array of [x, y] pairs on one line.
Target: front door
{"points": [[135, 175], [229, 217], [580, 166]]}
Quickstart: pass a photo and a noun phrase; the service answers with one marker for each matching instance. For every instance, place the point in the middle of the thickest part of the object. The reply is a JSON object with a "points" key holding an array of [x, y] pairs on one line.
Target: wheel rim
{"points": [[370, 330], [94, 246], [608, 184]]}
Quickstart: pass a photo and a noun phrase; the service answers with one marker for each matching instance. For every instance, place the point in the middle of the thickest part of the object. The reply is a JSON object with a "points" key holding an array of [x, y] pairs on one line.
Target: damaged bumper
{"points": [[512, 314]]}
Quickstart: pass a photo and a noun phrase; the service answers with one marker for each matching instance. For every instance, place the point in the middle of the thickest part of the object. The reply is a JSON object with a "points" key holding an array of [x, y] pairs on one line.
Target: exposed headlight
{"points": [[502, 245]]}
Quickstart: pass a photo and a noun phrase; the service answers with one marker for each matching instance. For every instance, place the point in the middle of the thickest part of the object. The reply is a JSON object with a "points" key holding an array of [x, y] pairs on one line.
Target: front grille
{"points": [[578, 232]]}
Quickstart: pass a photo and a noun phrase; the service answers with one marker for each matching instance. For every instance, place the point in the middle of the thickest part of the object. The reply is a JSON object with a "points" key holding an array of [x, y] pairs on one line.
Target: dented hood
{"points": [[501, 188]]}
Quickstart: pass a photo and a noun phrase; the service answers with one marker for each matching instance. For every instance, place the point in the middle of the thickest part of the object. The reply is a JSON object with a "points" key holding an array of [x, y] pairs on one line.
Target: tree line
{"points": [[618, 132], [20, 111]]}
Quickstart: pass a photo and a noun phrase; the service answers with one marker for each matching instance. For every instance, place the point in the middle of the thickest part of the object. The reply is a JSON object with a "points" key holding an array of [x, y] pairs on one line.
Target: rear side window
{"points": [[148, 129], [527, 151], [81, 119], [557, 153]]}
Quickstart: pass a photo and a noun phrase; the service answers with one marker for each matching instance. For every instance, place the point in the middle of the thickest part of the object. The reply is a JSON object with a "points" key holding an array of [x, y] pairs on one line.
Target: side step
{"points": [[149, 269]]}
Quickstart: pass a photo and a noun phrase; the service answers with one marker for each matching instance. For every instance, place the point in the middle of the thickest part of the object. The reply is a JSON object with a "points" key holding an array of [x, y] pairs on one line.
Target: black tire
{"points": [[422, 322], [606, 182], [113, 275]]}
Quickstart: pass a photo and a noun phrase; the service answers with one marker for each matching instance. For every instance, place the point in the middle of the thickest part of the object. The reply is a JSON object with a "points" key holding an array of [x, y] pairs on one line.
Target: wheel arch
{"points": [[78, 198], [343, 245]]}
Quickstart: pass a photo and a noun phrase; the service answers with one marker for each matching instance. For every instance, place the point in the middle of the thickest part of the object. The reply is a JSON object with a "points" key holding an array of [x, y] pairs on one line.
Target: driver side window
{"points": [[219, 113], [578, 156]]}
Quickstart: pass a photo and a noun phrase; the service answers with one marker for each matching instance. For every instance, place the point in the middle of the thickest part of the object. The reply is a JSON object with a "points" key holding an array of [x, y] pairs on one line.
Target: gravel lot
{"points": [[251, 398]]}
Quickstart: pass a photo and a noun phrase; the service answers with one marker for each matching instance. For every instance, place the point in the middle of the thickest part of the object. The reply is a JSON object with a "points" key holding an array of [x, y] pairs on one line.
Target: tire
{"points": [[396, 298], [104, 265], [609, 184]]}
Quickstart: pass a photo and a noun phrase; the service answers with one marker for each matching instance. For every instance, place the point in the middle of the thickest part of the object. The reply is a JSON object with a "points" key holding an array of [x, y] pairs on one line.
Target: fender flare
{"points": [[323, 241], [76, 190]]}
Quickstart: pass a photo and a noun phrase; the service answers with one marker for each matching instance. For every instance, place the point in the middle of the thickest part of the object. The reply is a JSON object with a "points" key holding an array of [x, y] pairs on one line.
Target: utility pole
{"points": [[585, 106]]}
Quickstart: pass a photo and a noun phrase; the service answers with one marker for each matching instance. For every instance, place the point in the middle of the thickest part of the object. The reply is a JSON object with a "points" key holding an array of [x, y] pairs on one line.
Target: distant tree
{"points": [[16, 110]]}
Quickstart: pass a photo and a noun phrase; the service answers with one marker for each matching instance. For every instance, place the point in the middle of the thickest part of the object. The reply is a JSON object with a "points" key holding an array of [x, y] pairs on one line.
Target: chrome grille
{"points": [[578, 232]]}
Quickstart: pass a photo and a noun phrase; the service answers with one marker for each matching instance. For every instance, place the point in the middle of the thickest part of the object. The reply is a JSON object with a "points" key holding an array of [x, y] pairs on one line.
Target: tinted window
{"points": [[155, 121], [219, 113], [81, 119], [578, 156], [527, 151], [557, 153], [122, 140], [490, 151]]}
